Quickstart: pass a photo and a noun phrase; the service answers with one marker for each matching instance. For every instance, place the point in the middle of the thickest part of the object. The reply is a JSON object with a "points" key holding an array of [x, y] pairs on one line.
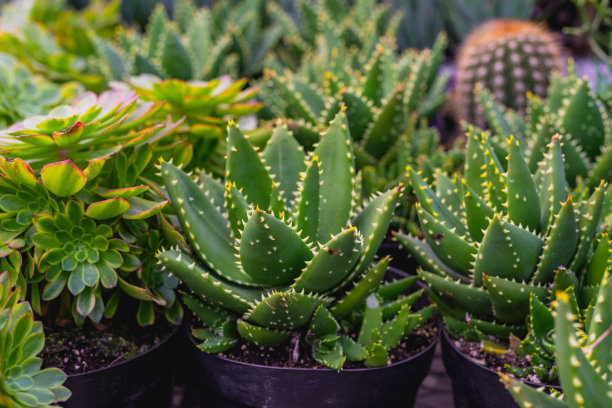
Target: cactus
{"points": [[509, 57], [497, 237], [582, 348], [22, 383], [206, 106], [281, 245], [572, 110], [198, 44]]}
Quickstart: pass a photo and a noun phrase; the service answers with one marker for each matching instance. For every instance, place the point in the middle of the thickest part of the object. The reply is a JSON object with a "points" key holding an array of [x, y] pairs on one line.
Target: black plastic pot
{"points": [[226, 383], [144, 381], [474, 385]]}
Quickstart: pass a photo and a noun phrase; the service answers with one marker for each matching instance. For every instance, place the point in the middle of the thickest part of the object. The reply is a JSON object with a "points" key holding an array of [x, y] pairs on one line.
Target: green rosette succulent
{"points": [[22, 382], [501, 235], [572, 110], [24, 94], [582, 347], [77, 252], [283, 248], [205, 105]]}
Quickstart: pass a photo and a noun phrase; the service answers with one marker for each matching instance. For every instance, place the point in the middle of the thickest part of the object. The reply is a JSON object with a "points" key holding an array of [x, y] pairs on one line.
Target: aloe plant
{"points": [[582, 347], [496, 237], [22, 382], [326, 24], [284, 247], [200, 43], [570, 109]]}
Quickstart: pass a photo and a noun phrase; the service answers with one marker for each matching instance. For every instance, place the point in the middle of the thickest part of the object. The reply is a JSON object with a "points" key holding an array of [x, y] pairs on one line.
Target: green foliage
{"points": [[200, 43], [572, 110], [205, 108], [23, 94], [55, 40], [77, 186], [22, 382], [280, 245], [501, 236], [582, 348]]}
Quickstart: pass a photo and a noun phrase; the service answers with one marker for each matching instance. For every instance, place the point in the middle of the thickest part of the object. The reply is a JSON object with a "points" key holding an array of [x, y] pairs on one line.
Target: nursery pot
{"points": [[474, 385], [226, 383], [143, 381]]}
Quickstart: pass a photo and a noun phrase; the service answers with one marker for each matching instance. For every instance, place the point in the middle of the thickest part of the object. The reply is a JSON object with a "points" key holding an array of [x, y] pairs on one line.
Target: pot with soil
{"points": [[475, 383], [119, 366], [273, 270], [288, 376]]}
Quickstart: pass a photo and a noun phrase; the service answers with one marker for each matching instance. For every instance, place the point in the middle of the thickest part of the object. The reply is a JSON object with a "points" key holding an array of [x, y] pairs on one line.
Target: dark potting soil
{"points": [[496, 361], [77, 350], [297, 353]]}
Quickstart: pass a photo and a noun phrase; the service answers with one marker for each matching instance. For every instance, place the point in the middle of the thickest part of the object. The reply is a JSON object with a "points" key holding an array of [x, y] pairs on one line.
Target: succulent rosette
{"points": [[205, 105], [22, 382]]}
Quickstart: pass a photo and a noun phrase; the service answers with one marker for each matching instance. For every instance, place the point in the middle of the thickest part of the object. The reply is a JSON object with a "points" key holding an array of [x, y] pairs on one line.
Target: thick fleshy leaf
{"points": [[63, 178], [103, 210]]}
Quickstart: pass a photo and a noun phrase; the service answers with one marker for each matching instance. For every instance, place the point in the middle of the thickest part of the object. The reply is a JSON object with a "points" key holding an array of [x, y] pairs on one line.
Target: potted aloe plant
{"points": [[582, 346], [281, 258], [494, 244]]}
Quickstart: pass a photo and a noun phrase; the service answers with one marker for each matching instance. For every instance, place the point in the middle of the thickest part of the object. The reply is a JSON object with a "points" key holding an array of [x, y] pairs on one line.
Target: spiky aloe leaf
{"points": [[336, 181], [201, 219], [215, 291], [271, 252], [286, 160], [262, 336], [284, 310], [361, 290], [332, 263]]}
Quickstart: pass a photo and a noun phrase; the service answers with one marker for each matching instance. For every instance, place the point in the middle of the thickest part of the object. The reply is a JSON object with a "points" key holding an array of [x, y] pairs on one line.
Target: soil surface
{"points": [[283, 356], [494, 361], [77, 350]]}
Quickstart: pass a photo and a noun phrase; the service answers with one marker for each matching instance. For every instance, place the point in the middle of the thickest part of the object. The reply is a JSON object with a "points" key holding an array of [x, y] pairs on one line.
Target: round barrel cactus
{"points": [[509, 57]]}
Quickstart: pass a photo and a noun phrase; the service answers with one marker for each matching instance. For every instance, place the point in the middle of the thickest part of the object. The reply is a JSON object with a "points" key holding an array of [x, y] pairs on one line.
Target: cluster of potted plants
{"points": [[157, 211]]}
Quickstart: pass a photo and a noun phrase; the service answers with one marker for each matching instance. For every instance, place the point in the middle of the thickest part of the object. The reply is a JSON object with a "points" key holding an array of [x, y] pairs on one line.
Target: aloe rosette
{"points": [[570, 109], [582, 347], [22, 382], [198, 43], [283, 247], [499, 236]]}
